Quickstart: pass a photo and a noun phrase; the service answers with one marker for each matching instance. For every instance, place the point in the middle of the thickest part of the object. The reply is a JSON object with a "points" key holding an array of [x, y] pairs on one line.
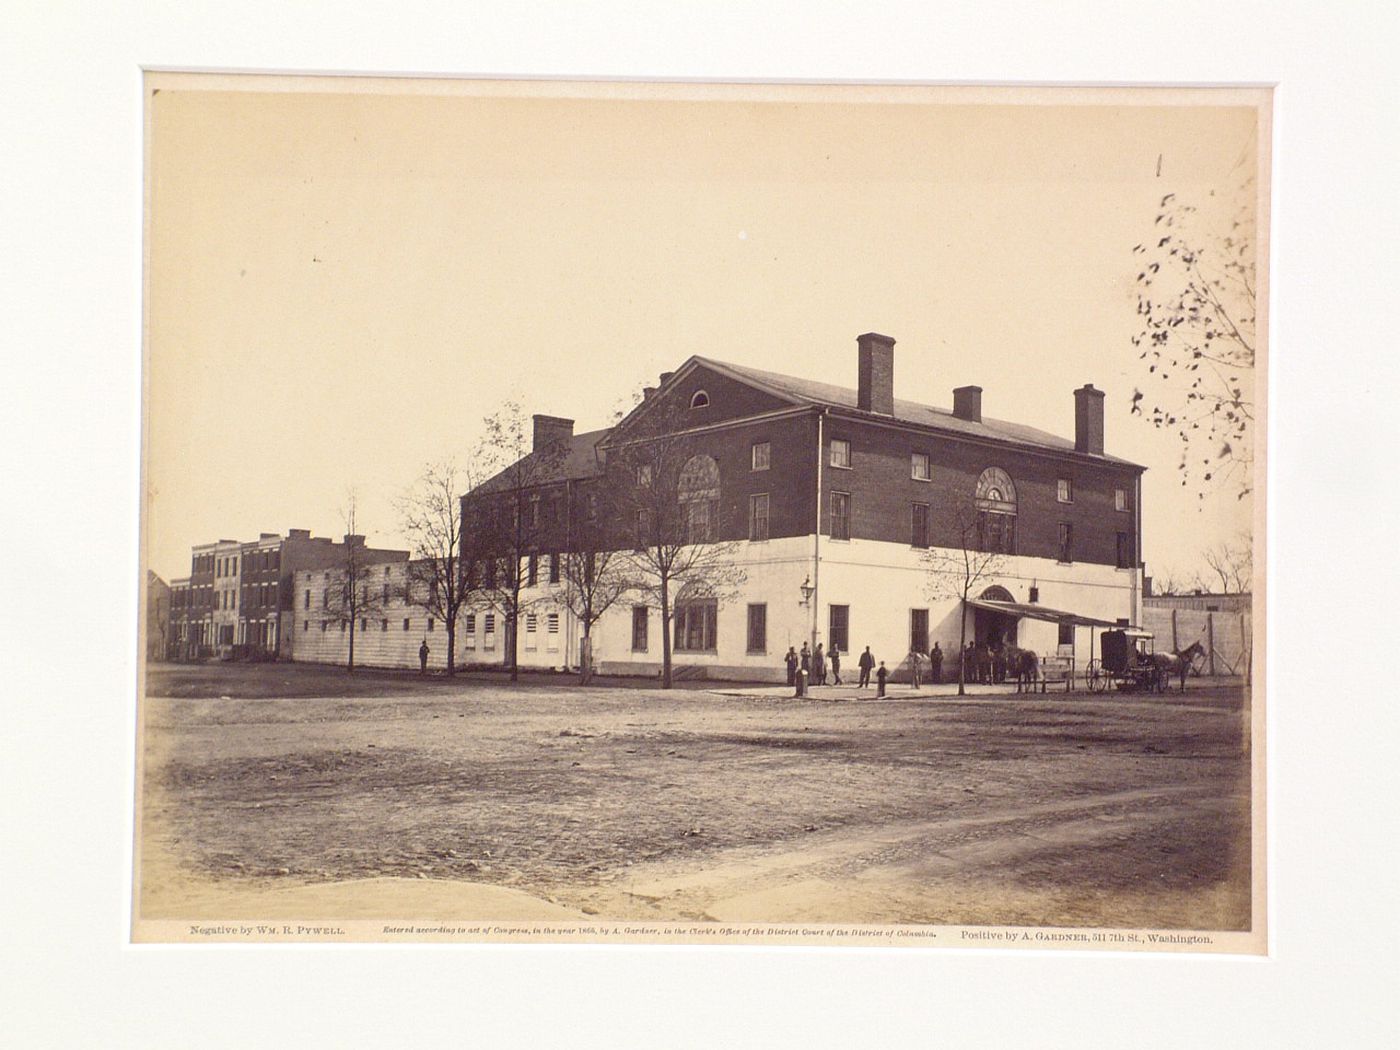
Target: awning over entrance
{"points": [[1038, 612]]}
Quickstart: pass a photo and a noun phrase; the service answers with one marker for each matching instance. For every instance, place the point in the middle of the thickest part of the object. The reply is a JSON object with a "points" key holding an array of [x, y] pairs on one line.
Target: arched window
{"points": [[698, 491], [996, 511], [997, 594], [700, 400], [996, 491]]}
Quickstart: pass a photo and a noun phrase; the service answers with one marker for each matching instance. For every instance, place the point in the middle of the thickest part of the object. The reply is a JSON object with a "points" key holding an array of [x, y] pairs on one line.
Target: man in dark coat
{"points": [[791, 661], [881, 675], [835, 655], [866, 663], [423, 657], [819, 665], [935, 664]]}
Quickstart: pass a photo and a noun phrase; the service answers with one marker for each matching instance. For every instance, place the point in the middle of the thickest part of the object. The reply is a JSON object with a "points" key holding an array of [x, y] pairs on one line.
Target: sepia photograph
{"points": [[702, 513]]}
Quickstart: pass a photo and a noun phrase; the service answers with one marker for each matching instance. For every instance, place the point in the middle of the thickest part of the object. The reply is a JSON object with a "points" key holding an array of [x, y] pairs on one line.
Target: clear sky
{"points": [[342, 284]]}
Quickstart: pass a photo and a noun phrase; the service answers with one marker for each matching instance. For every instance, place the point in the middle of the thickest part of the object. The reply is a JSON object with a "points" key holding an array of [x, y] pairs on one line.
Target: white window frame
{"points": [[766, 458], [845, 447], [1064, 490], [914, 461]]}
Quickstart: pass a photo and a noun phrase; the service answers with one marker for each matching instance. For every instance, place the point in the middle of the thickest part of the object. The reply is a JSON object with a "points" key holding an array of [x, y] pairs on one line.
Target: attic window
{"points": [[700, 400]]}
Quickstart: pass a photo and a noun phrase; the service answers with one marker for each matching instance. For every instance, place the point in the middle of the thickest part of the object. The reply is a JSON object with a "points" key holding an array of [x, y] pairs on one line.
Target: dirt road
{"points": [[643, 804]]}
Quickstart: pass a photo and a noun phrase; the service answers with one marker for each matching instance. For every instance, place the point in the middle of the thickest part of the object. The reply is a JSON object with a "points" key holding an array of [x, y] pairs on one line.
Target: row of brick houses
{"points": [[827, 498], [237, 599]]}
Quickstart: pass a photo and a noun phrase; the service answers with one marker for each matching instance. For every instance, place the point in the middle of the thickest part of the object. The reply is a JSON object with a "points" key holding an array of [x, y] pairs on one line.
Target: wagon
{"points": [[1124, 662]]}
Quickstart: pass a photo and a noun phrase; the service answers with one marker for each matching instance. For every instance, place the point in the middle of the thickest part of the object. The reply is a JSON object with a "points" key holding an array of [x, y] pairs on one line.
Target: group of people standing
{"points": [[816, 662]]}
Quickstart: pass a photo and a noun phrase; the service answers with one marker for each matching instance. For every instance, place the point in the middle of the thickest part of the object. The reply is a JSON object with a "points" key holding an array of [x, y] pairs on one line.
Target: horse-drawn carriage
{"points": [[1125, 662], [1128, 662]]}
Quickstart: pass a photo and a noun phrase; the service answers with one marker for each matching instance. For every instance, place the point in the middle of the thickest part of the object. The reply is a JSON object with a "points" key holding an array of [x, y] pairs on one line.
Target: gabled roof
{"points": [[811, 392], [579, 460]]}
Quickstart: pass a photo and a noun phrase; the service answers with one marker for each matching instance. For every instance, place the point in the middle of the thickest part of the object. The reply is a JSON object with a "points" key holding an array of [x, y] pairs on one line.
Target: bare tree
{"points": [[353, 595], [504, 513], [1196, 308], [436, 581], [1168, 582], [665, 492], [1232, 564], [595, 579], [977, 558]]}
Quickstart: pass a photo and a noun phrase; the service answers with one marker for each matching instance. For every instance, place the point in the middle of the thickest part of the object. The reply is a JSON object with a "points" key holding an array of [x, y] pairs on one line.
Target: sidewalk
{"points": [[848, 691]]}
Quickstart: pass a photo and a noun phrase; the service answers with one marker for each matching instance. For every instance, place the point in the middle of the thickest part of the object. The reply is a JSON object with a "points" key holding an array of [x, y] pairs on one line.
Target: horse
{"points": [[1024, 665], [1175, 663]]}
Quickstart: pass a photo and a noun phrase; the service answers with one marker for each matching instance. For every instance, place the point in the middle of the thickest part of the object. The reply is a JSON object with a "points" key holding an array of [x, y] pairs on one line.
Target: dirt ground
{"points": [[638, 804]]}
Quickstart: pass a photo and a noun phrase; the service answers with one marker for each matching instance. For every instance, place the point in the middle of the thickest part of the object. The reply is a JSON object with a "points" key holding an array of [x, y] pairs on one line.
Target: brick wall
{"points": [[882, 490]]}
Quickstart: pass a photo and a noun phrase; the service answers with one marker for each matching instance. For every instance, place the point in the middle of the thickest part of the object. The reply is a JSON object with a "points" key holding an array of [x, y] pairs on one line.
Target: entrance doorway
{"points": [[994, 629]]}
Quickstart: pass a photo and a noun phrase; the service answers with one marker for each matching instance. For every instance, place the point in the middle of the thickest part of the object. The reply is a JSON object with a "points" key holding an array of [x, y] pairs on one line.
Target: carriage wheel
{"points": [[1095, 678]]}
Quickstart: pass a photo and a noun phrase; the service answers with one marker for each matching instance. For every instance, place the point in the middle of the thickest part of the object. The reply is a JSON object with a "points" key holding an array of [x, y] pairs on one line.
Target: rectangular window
{"points": [[839, 628], [1066, 634], [1125, 550], [386, 594], [532, 570], [1064, 491], [918, 630], [1066, 542], [695, 627], [531, 629], [918, 466], [700, 520], [919, 526], [996, 533], [323, 625], [760, 454], [431, 623], [840, 516], [305, 626], [1120, 499], [841, 454], [758, 628], [758, 516], [639, 628], [383, 625], [554, 567], [490, 630], [551, 627], [405, 623], [364, 623]]}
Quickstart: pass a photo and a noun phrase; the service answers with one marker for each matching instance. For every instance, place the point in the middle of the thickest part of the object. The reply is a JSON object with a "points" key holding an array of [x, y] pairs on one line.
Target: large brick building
{"points": [[833, 497]]}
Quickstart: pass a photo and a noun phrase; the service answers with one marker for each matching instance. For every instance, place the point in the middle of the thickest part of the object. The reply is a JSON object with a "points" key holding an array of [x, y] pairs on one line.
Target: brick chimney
{"points": [[875, 373], [967, 403], [665, 378], [1088, 420], [298, 534], [354, 540], [648, 392], [549, 429]]}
